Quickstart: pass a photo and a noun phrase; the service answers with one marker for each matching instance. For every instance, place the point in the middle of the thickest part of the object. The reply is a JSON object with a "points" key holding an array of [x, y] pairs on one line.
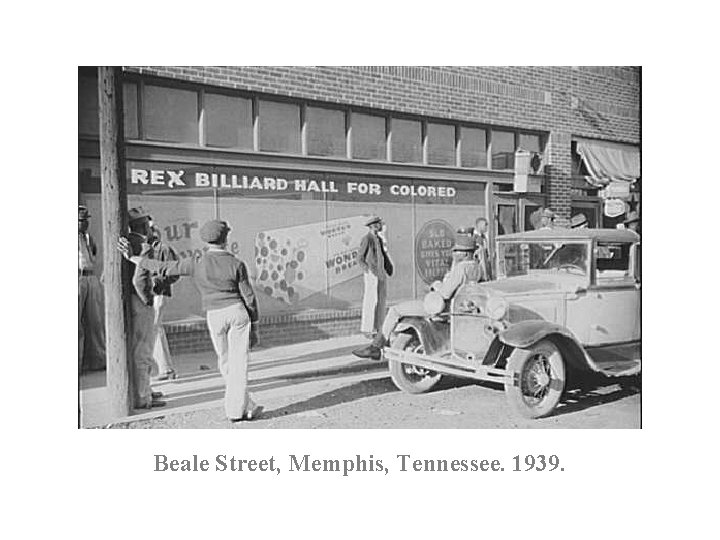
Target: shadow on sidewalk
{"points": [[217, 391], [345, 394]]}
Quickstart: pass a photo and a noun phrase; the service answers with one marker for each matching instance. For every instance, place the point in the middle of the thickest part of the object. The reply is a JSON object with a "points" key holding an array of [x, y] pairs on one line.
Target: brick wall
{"points": [[191, 337]]}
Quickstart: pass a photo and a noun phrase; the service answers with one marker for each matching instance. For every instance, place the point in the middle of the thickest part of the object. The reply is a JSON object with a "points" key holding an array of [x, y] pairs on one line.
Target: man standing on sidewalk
{"points": [[377, 267], [162, 290], [91, 325], [143, 314], [483, 253]]}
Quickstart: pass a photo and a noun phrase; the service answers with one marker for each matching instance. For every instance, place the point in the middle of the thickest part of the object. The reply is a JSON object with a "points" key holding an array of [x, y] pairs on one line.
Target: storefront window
{"points": [[87, 106], [308, 259], [506, 217], [325, 132], [441, 144], [279, 127], [368, 137], [406, 141], [503, 150], [170, 114], [130, 112], [473, 148], [229, 121]]}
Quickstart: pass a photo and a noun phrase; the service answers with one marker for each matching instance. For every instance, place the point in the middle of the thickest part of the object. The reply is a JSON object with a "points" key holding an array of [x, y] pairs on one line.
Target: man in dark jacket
{"points": [[377, 267], [143, 314]]}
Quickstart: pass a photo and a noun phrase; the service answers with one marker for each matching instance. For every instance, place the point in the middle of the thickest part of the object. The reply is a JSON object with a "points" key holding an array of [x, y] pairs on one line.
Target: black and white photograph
{"points": [[359, 247]]}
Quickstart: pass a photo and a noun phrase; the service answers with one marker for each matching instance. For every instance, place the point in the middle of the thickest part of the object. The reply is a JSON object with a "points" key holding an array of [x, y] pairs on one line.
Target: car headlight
{"points": [[496, 307], [433, 303]]}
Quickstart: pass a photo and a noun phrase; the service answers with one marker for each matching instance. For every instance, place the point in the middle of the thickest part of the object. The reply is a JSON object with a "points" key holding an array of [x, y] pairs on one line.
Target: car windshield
{"points": [[528, 258]]}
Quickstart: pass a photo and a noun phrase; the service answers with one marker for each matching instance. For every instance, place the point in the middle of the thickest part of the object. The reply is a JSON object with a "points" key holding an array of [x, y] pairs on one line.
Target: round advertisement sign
{"points": [[433, 250], [614, 208]]}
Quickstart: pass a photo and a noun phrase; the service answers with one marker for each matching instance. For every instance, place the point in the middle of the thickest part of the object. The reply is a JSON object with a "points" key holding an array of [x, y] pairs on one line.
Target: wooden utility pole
{"points": [[114, 216]]}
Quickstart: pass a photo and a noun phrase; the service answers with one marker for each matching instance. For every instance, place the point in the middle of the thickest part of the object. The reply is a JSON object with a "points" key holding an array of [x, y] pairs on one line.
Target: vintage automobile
{"points": [[565, 299]]}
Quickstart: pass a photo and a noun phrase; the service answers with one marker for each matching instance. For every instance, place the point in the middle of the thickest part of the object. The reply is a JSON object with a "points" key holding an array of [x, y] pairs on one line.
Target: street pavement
{"points": [[322, 385]]}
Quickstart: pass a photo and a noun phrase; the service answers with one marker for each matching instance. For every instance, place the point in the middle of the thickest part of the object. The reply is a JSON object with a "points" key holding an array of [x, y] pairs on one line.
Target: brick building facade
{"points": [[395, 129]]}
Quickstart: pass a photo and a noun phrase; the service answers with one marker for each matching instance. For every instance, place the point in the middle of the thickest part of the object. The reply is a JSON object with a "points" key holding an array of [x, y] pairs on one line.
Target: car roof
{"points": [[602, 235]]}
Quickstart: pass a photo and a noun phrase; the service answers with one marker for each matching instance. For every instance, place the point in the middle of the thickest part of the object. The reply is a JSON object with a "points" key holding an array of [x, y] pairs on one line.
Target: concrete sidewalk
{"points": [[200, 386]]}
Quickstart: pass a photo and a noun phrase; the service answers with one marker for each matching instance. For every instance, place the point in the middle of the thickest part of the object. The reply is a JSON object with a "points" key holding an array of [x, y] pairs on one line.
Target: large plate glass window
{"points": [[503, 150], [170, 114], [229, 121], [279, 127], [325, 132], [406, 141], [473, 147], [368, 137], [441, 144]]}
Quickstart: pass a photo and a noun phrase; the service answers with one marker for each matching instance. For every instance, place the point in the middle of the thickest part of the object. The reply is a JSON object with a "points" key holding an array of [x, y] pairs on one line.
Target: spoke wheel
{"points": [[539, 379], [408, 377]]}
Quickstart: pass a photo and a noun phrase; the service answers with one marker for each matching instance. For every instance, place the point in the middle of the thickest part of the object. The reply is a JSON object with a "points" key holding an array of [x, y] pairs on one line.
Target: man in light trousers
{"points": [[377, 267], [162, 289], [91, 326], [231, 307]]}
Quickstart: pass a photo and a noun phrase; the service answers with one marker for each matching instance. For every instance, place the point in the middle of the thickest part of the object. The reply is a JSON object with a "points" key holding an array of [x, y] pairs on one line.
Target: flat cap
{"points": [[83, 212], [373, 219], [214, 232]]}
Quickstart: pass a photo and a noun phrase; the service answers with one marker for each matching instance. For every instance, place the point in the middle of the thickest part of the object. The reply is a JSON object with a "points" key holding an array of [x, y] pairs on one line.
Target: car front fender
{"points": [[526, 333], [434, 335]]}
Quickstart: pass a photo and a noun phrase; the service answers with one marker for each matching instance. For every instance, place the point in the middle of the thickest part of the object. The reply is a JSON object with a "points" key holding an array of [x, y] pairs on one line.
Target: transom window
{"points": [[194, 115]]}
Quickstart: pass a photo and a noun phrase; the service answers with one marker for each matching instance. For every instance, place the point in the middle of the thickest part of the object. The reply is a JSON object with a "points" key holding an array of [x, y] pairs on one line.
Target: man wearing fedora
{"points": [[465, 268], [143, 313], [91, 326], [632, 221], [230, 305], [483, 254], [547, 219], [377, 267], [579, 221]]}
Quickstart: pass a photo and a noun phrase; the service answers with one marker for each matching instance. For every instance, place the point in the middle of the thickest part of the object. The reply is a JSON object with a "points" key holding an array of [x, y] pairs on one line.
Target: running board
{"points": [[479, 373]]}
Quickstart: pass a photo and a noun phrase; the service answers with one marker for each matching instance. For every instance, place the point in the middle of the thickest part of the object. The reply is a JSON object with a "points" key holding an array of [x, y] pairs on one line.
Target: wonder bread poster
{"points": [[294, 263]]}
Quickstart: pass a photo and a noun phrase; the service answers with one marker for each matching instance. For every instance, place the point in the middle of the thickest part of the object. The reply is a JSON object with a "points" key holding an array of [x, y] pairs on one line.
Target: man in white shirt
{"points": [[91, 325], [464, 269], [483, 254]]}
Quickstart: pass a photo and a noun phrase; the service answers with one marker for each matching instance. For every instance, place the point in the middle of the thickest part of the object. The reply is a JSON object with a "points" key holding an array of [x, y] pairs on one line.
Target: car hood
{"points": [[535, 297]]}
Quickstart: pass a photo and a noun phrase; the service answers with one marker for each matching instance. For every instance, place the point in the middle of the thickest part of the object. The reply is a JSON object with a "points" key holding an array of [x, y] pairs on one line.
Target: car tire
{"points": [[407, 377], [539, 379]]}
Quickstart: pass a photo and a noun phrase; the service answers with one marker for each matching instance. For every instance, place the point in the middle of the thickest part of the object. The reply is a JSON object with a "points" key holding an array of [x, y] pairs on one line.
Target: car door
{"points": [[610, 308]]}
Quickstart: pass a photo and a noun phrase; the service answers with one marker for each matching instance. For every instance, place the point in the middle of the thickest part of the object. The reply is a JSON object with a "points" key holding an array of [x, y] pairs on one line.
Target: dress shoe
{"points": [[254, 413], [370, 351], [169, 375], [152, 404], [156, 395]]}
